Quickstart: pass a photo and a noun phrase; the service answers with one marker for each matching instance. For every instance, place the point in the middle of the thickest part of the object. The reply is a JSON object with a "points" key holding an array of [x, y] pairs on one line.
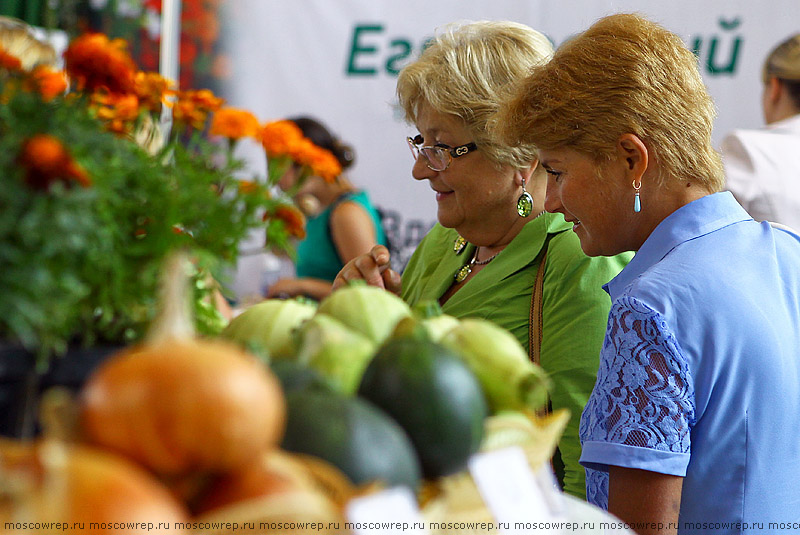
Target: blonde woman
{"points": [[492, 237], [762, 167], [692, 426]]}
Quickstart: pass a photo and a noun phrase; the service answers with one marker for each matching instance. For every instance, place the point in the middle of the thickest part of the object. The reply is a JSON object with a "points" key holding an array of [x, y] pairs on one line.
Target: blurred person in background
{"points": [[762, 167], [342, 221], [493, 238], [17, 39], [692, 425]]}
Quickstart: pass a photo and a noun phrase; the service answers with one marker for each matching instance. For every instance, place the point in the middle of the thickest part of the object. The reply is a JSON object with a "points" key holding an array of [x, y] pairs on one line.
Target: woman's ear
{"points": [[525, 173], [634, 153], [774, 90]]}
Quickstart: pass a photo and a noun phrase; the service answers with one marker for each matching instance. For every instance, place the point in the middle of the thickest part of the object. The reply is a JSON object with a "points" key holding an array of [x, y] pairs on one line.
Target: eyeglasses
{"points": [[438, 156]]}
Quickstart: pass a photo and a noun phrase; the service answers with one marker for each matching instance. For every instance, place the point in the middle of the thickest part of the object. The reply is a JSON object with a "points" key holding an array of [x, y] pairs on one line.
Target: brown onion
{"points": [[89, 490], [178, 404]]}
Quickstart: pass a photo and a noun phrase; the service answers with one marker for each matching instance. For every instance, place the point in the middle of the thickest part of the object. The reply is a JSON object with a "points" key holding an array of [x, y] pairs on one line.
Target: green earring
{"points": [[524, 202]]}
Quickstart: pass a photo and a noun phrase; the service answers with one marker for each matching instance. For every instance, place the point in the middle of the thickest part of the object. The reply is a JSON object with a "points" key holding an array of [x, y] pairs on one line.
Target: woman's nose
{"points": [[420, 169], [552, 198]]}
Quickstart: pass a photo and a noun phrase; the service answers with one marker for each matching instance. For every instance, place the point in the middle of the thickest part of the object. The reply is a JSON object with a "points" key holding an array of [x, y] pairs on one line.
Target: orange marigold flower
{"points": [[324, 164], [192, 107], [247, 187], [76, 173], [46, 160], [279, 137], [96, 62], [152, 89], [321, 161], [302, 151], [49, 82], [292, 218], [9, 61], [120, 111], [234, 123]]}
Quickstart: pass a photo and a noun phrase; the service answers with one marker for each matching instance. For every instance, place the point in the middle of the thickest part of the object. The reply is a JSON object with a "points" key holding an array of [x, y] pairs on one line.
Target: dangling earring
{"points": [[637, 203], [524, 202]]}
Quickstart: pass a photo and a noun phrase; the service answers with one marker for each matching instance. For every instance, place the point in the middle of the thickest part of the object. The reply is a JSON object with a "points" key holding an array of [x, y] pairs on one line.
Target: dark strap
{"points": [[535, 321]]}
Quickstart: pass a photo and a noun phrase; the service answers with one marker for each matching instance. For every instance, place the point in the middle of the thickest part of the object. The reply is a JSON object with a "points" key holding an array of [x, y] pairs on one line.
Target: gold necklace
{"points": [[460, 244], [464, 271]]}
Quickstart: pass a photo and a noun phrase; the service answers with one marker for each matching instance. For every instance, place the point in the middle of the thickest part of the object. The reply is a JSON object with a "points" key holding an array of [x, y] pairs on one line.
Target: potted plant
{"points": [[94, 196]]}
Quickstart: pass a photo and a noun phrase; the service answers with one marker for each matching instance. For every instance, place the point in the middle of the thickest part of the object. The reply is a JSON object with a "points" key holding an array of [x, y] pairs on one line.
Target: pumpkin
{"points": [[89, 490], [179, 405]]}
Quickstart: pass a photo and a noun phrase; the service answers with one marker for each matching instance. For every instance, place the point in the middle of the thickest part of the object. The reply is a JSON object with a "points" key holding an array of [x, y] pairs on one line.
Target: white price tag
{"points": [[510, 489], [550, 489], [389, 512]]}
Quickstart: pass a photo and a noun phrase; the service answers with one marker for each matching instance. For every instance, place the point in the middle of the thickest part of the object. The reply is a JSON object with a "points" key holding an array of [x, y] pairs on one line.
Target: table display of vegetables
{"points": [[295, 409]]}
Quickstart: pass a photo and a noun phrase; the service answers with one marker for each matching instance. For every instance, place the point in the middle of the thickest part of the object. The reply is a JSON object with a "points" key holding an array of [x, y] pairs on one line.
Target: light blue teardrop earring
{"points": [[637, 203], [524, 202]]}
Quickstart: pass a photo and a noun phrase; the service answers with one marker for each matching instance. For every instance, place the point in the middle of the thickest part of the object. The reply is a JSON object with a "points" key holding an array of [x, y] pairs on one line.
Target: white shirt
{"points": [[762, 169]]}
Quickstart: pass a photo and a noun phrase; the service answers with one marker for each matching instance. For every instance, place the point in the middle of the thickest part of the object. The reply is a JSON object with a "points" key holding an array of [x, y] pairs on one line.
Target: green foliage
{"points": [[80, 264]]}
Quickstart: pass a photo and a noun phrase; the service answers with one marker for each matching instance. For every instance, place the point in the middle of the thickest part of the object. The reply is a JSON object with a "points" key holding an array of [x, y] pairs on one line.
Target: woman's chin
{"points": [[446, 218]]}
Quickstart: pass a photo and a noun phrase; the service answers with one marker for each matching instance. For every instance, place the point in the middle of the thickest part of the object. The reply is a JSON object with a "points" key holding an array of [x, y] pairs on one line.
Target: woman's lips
{"points": [[441, 195]]}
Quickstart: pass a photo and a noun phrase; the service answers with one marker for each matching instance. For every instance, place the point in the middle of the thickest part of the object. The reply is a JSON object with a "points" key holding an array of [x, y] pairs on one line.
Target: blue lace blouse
{"points": [[700, 370]]}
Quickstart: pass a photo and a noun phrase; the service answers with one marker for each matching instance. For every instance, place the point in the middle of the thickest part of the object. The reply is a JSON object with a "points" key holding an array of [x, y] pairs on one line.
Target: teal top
{"points": [[574, 309], [316, 254]]}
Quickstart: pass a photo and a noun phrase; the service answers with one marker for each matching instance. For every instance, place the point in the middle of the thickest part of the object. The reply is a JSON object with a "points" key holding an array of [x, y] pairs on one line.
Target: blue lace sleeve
{"points": [[643, 397]]}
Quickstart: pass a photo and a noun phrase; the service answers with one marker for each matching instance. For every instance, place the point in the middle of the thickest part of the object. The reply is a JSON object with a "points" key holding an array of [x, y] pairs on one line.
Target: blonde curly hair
{"points": [[465, 71]]}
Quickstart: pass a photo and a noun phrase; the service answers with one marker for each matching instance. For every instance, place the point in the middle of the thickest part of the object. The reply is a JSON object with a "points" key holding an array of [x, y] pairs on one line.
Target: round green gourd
{"points": [[434, 396], [351, 434]]}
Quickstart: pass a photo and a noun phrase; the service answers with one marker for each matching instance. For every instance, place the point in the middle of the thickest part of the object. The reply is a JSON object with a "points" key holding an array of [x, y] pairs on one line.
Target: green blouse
{"points": [[574, 308]]}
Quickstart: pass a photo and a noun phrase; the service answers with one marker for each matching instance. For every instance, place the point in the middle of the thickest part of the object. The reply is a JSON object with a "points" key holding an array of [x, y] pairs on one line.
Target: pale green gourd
{"points": [[270, 325], [509, 379], [337, 352], [369, 310]]}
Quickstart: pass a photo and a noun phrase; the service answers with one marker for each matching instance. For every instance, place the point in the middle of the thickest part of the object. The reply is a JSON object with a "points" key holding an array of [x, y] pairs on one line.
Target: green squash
{"points": [[352, 434], [434, 396]]}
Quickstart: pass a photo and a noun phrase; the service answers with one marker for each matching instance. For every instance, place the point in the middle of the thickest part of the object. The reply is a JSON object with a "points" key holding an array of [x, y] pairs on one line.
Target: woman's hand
{"points": [[316, 289], [374, 268]]}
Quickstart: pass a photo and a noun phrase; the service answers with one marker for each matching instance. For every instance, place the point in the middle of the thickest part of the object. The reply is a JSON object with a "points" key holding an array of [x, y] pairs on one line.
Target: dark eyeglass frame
{"points": [[452, 152]]}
